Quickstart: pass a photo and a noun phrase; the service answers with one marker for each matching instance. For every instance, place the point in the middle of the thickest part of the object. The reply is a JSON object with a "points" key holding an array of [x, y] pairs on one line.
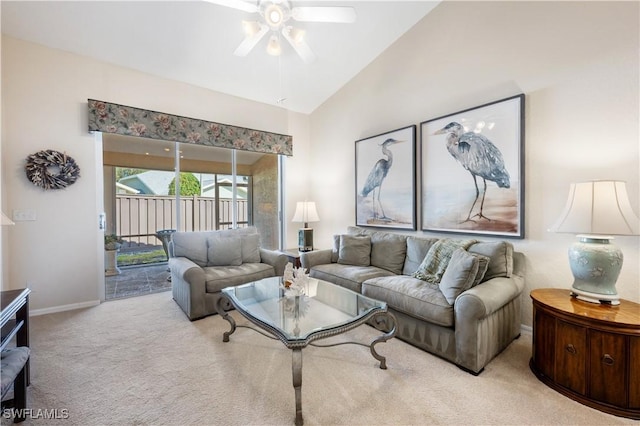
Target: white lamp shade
{"points": [[306, 212], [598, 207]]}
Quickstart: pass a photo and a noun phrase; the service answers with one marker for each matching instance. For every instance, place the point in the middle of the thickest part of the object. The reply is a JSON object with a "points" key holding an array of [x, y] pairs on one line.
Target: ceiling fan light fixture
{"points": [[273, 47], [296, 34], [251, 28], [274, 16]]}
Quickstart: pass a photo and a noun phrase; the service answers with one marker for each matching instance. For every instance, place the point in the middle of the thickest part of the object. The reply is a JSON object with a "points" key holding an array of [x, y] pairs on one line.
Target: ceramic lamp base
{"points": [[305, 239], [595, 264], [595, 297]]}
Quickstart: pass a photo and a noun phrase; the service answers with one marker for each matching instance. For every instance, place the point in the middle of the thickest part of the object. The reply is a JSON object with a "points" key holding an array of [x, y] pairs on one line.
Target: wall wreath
{"points": [[51, 169]]}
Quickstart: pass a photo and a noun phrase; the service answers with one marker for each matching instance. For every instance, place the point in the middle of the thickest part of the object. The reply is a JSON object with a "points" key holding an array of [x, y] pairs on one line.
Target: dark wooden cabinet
{"points": [[588, 352]]}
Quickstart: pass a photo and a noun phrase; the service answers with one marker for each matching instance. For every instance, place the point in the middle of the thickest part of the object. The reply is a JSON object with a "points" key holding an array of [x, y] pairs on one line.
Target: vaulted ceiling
{"points": [[194, 41]]}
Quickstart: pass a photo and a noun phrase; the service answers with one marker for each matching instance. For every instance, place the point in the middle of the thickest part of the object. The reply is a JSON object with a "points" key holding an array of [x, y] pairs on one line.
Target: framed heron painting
{"points": [[385, 180], [472, 165]]}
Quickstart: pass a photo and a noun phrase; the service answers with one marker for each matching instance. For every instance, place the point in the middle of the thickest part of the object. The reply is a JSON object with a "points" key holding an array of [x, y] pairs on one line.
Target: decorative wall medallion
{"points": [[51, 169]]}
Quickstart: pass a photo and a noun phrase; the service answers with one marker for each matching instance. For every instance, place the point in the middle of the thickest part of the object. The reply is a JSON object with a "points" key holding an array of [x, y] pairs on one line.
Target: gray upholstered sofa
{"points": [[466, 318], [203, 263]]}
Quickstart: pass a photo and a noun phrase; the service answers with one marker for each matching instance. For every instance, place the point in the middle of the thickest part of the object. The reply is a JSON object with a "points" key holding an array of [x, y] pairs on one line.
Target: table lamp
{"points": [[597, 210], [305, 213]]}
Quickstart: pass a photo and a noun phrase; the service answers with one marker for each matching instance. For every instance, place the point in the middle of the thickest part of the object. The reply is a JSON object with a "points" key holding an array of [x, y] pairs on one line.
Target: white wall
{"points": [[576, 62], [44, 99]]}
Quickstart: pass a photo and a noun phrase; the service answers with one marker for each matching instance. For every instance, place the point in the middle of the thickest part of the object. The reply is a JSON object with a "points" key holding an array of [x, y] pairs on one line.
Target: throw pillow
{"points": [[355, 250], [192, 245], [501, 255], [335, 249], [224, 251], [459, 275], [437, 259], [417, 249], [388, 251], [250, 248], [483, 265]]}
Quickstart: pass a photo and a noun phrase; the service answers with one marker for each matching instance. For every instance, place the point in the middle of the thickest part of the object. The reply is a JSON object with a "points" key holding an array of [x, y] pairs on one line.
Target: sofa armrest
{"points": [[188, 286], [309, 259], [487, 297], [487, 319], [274, 258]]}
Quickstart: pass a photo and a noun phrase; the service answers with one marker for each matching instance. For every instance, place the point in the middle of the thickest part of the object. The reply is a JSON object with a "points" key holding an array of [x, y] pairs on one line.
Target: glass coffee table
{"points": [[325, 310]]}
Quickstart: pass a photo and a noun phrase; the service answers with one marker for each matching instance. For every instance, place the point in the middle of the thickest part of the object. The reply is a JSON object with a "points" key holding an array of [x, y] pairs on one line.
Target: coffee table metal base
{"points": [[296, 359]]}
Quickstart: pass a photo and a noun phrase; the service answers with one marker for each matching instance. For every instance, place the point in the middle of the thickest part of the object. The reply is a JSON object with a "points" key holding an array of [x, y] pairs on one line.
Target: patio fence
{"points": [[139, 217]]}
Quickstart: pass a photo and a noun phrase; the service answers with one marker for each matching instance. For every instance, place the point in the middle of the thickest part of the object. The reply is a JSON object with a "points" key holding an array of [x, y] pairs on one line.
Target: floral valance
{"points": [[125, 120]]}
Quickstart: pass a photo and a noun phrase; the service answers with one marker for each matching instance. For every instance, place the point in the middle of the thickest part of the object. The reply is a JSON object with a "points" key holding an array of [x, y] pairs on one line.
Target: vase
{"points": [[111, 263]]}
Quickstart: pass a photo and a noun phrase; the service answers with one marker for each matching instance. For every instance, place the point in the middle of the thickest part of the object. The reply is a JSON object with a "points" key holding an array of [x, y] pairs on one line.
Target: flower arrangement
{"points": [[296, 286], [295, 281]]}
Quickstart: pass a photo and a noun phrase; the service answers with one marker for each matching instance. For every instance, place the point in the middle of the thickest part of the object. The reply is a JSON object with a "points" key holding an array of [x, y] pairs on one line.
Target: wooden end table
{"points": [[588, 352]]}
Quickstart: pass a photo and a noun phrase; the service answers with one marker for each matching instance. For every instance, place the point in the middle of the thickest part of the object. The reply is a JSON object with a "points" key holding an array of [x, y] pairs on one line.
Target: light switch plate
{"points": [[24, 215]]}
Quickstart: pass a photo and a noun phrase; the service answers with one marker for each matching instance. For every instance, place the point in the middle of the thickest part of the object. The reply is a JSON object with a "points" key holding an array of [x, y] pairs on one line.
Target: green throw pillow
{"points": [[483, 266], [435, 262], [459, 275]]}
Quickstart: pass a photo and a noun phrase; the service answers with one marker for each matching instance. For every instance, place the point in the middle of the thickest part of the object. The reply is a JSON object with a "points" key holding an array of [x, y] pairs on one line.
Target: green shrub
{"points": [[189, 185]]}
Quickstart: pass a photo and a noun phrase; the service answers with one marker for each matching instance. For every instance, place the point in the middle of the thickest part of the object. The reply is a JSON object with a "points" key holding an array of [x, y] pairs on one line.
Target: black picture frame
{"points": [[385, 193], [487, 147]]}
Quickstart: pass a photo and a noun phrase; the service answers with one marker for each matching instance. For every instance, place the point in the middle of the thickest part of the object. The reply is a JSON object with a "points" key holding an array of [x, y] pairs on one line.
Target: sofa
{"points": [[463, 306], [203, 263]]}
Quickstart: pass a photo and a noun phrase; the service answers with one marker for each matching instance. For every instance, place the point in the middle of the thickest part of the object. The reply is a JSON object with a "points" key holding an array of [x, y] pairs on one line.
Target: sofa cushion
{"points": [[192, 245], [336, 248], [219, 277], [459, 275], [355, 250], [411, 296], [249, 230], [417, 249], [388, 251], [483, 265], [250, 248], [501, 258], [348, 276], [435, 262], [224, 250]]}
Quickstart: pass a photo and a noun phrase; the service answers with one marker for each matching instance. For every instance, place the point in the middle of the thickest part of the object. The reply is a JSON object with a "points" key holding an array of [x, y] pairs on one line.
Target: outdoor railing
{"points": [[139, 217]]}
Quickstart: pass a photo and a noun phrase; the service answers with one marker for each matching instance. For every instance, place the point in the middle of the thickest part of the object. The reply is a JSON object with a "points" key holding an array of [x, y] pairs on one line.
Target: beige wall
{"points": [[44, 99], [576, 62]]}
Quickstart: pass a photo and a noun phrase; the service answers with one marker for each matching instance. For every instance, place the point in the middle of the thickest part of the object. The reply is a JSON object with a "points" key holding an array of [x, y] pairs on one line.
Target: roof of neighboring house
{"points": [[153, 182], [125, 188]]}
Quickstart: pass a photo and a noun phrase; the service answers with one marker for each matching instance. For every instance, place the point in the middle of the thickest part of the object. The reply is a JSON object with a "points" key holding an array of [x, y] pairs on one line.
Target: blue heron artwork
{"points": [[385, 178], [480, 157], [376, 176], [472, 170]]}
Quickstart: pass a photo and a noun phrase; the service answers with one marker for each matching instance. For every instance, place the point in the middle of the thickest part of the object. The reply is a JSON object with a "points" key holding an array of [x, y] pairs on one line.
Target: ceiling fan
{"points": [[275, 16]]}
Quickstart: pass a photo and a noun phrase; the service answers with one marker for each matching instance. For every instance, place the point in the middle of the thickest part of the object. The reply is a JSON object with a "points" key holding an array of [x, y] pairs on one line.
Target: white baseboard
{"points": [[526, 329], [63, 308]]}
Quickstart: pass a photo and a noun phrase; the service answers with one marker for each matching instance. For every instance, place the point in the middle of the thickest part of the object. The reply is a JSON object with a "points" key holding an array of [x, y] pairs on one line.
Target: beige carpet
{"points": [[140, 361]]}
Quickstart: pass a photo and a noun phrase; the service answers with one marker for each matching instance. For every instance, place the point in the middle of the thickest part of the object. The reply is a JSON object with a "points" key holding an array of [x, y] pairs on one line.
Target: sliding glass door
{"points": [[153, 186]]}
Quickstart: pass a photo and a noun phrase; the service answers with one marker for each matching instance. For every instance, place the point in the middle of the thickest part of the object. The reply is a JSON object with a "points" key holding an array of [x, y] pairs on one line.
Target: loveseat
{"points": [[203, 263], [468, 314]]}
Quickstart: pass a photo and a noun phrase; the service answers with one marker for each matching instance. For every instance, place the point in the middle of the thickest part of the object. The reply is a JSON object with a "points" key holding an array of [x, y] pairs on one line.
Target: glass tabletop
{"points": [[324, 306]]}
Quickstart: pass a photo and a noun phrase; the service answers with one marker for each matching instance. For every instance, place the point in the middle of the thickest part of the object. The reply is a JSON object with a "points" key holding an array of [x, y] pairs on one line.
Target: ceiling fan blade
{"points": [[250, 41], [236, 4], [346, 15], [299, 45]]}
